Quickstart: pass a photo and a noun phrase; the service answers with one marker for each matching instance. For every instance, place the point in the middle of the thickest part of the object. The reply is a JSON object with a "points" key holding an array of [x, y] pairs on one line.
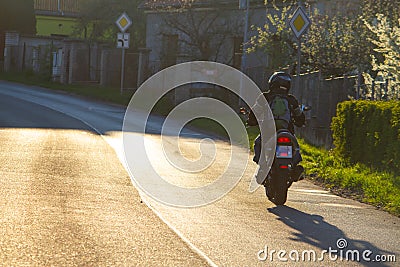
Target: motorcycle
{"points": [[284, 166]]}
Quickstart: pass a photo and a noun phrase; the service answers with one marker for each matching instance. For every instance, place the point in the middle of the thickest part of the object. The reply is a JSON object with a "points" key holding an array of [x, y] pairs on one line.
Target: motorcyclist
{"points": [[279, 85]]}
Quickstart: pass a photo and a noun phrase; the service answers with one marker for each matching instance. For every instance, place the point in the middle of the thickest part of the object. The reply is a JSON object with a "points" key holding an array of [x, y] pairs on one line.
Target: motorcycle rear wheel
{"points": [[277, 192]]}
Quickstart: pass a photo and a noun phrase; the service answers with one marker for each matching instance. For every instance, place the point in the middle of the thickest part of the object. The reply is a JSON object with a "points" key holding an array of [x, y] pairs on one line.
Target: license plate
{"points": [[284, 152]]}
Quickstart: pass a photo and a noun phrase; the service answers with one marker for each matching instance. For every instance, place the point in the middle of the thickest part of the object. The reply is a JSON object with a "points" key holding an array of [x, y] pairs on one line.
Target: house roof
{"points": [[57, 8]]}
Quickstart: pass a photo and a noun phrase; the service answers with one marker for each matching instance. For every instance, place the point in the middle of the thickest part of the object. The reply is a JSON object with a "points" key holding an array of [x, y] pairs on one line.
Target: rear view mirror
{"points": [[305, 108]]}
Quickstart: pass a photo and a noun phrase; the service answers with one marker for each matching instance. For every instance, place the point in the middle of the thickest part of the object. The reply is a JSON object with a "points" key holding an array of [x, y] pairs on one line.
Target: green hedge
{"points": [[368, 132]]}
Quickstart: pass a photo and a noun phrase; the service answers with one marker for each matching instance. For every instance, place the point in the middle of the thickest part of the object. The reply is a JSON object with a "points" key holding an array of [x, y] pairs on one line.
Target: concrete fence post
{"points": [[103, 67], [11, 41], [93, 52], [65, 63], [143, 65]]}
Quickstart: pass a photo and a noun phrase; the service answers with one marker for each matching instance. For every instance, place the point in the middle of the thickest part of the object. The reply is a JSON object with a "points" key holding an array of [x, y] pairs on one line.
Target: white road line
{"points": [[182, 236], [178, 233], [337, 205]]}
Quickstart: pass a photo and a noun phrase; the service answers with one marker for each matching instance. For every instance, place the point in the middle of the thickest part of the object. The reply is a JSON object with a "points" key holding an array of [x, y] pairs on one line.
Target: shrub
{"points": [[368, 132]]}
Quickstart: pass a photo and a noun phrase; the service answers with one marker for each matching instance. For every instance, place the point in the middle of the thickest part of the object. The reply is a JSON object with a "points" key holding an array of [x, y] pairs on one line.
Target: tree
{"points": [[17, 15], [382, 19], [386, 38], [388, 8], [333, 45], [202, 33], [275, 37], [97, 20]]}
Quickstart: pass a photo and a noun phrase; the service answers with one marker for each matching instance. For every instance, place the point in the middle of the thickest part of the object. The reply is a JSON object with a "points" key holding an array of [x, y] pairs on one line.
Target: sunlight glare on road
{"points": [[174, 180]]}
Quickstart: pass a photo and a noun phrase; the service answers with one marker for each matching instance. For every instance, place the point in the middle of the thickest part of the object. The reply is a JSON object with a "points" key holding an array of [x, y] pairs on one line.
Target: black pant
{"points": [[257, 149]]}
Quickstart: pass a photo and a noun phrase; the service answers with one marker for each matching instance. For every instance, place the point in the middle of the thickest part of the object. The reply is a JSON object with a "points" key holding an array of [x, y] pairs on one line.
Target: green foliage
{"points": [[333, 45], [17, 15], [275, 37], [368, 132], [337, 42], [252, 133], [381, 189], [386, 38], [388, 8], [211, 126]]}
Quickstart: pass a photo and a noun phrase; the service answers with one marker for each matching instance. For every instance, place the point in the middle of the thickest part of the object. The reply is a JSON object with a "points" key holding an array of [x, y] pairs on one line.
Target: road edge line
{"points": [[176, 231]]}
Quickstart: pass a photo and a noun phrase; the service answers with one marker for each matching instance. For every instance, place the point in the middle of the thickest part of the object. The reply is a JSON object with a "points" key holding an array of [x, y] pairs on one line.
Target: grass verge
{"points": [[381, 189], [360, 182], [91, 91]]}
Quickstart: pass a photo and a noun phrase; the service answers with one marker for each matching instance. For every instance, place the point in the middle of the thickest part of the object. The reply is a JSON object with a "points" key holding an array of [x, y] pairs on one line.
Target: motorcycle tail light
{"points": [[283, 166], [284, 140]]}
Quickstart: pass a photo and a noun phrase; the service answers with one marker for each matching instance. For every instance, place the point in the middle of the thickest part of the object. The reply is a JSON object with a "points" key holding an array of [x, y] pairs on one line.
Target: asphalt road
{"points": [[66, 199]]}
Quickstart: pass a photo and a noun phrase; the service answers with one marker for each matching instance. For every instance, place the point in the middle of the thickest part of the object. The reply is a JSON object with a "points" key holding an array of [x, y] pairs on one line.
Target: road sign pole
{"points": [[123, 23], [298, 57], [299, 24], [122, 70], [298, 63]]}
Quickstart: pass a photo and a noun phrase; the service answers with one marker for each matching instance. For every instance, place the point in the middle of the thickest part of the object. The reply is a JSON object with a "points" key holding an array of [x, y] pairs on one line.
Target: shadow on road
{"points": [[21, 114], [314, 230]]}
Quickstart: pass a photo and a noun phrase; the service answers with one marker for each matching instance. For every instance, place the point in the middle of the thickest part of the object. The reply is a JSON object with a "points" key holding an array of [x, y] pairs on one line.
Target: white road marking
{"points": [[321, 193], [341, 205], [119, 154]]}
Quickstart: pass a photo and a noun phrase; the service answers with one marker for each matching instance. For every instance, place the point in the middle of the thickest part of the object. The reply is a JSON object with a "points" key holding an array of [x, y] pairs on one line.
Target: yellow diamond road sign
{"points": [[299, 22], [123, 22]]}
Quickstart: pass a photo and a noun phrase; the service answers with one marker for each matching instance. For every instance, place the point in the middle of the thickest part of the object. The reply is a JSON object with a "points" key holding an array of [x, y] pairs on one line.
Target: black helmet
{"points": [[280, 81]]}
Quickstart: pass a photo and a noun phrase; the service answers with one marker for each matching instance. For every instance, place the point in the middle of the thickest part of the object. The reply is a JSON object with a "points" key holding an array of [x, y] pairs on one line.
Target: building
{"points": [[205, 30], [56, 17], [179, 31]]}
